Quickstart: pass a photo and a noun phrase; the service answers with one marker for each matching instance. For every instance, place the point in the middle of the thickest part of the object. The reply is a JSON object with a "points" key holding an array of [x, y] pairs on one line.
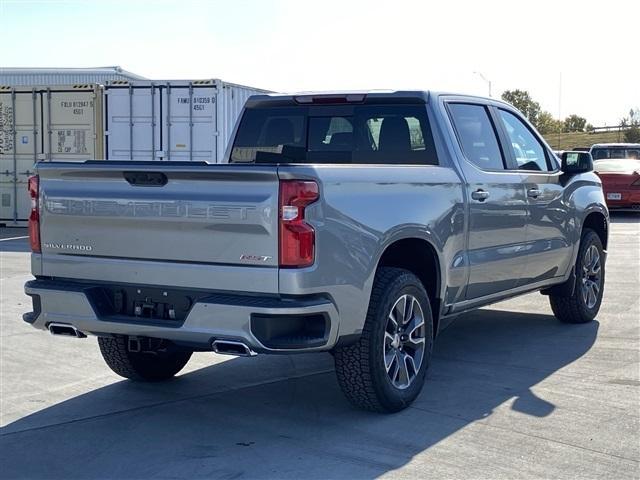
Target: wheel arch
{"points": [[597, 221], [420, 257]]}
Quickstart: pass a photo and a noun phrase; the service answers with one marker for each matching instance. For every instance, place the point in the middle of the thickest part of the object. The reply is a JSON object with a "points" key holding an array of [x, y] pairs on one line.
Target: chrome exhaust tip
{"points": [[65, 329], [232, 347]]}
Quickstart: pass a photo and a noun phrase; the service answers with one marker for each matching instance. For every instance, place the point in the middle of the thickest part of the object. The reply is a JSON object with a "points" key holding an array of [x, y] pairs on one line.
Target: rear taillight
{"points": [[637, 182], [34, 216], [297, 237]]}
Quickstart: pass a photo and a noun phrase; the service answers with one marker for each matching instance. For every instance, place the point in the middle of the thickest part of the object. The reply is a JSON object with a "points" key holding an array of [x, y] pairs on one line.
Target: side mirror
{"points": [[576, 162]]}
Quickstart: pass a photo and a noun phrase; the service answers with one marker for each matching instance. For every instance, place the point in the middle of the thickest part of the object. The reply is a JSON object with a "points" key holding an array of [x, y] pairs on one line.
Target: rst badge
{"points": [[255, 258]]}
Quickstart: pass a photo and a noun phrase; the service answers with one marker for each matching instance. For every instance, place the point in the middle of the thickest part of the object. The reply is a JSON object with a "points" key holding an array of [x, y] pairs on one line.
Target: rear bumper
{"points": [[629, 201], [264, 323], [626, 207]]}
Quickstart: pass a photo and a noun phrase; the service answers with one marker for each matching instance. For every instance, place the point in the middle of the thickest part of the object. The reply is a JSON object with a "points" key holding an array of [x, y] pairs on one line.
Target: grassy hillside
{"points": [[567, 141]]}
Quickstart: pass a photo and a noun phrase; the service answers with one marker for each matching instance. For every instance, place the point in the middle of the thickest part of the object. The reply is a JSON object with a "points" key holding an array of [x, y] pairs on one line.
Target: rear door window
{"points": [[367, 134], [477, 135]]}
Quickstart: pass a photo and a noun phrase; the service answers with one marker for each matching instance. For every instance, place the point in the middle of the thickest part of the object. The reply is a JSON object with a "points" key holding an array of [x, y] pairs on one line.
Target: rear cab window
{"points": [[335, 134]]}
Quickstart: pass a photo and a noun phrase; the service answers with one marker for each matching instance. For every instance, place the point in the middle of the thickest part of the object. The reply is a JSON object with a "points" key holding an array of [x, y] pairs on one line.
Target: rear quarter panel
{"points": [[362, 210]]}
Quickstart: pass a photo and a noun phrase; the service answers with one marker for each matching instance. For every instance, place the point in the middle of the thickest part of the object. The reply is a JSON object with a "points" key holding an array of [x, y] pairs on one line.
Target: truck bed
{"points": [[182, 224]]}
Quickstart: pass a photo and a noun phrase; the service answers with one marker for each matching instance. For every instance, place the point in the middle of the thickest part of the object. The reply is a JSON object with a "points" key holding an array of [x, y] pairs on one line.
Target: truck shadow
{"points": [[295, 427]]}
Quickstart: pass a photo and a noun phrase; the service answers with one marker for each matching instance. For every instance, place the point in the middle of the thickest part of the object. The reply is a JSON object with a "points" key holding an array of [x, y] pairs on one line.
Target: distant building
{"points": [[63, 76]]}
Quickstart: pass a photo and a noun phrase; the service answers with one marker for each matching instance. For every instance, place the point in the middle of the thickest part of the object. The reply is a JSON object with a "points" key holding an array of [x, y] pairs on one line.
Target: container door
{"points": [[19, 152], [189, 126], [70, 126], [133, 126]]}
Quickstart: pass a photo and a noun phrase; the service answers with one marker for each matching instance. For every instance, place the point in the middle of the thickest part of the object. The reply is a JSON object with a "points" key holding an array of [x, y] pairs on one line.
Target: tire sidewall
{"points": [[391, 397], [589, 238]]}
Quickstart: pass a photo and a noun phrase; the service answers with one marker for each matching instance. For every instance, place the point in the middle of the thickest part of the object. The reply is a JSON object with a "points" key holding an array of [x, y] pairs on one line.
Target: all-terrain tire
{"points": [[574, 308], [155, 366], [360, 367]]}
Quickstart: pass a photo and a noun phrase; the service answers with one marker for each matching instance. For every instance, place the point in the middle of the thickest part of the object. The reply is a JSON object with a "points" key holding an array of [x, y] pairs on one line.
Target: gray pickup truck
{"points": [[359, 224]]}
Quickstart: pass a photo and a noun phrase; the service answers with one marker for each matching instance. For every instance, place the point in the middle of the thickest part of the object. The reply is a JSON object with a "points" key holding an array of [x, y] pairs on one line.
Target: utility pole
{"points": [[560, 97], [485, 79], [559, 107]]}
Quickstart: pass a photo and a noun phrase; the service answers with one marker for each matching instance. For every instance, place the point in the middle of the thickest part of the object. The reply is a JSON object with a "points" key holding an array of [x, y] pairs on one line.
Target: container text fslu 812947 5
{"points": [[54, 123]]}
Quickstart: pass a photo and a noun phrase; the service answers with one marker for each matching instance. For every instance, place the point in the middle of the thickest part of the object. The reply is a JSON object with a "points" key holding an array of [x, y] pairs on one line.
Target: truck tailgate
{"points": [[149, 213]]}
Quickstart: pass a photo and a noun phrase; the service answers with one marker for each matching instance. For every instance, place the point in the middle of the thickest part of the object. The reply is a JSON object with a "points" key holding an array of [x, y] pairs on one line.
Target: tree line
{"points": [[546, 123]]}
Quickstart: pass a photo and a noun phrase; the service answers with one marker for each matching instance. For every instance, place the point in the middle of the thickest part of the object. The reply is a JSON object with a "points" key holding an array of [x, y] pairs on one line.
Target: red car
{"points": [[620, 182]]}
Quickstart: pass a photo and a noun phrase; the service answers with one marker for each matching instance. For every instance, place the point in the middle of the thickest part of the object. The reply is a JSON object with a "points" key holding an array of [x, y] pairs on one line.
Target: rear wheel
{"points": [[150, 360], [584, 303], [385, 370]]}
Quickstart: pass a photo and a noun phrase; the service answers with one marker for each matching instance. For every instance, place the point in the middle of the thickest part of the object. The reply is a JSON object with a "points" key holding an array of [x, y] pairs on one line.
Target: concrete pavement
{"points": [[512, 393]]}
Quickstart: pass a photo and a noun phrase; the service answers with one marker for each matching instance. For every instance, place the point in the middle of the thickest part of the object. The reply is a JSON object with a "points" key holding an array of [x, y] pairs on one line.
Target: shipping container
{"points": [[44, 124], [171, 120]]}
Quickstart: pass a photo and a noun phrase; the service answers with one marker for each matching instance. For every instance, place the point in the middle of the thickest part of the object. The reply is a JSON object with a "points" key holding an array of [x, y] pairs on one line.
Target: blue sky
{"points": [[290, 45]]}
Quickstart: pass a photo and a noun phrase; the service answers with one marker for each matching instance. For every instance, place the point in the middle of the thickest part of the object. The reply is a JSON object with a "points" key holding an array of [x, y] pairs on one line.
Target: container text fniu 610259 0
{"points": [[180, 120]]}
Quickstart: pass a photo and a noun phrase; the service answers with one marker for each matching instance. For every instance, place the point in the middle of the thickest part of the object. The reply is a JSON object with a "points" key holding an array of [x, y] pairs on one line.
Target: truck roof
{"points": [[357, 96]]}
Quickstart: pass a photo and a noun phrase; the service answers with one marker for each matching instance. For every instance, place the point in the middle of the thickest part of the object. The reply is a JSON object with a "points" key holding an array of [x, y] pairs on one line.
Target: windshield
{"points": [[621, 165], [340, 134], [602, 153]]}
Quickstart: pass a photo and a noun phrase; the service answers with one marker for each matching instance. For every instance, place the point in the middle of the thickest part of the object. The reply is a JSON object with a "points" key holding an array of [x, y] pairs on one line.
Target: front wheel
{"points": [[385, 370], [158, 360], [584, 303]]}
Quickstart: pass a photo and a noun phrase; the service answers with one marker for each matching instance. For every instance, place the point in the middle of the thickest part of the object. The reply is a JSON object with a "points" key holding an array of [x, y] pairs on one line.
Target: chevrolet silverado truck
{"points": [[358, 224]]}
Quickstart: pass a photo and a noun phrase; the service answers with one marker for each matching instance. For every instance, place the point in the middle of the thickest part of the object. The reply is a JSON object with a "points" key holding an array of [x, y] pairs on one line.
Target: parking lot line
{"points": [[13, 238]]}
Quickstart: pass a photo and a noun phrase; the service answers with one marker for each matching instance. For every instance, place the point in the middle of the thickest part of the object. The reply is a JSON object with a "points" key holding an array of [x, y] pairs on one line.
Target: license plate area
{"points": [[614, 196], [145, 304]]}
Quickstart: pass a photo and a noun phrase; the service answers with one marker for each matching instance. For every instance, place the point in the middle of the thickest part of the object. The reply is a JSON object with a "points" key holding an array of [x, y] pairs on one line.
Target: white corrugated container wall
{"points": [[183, 120], [44, 124]]}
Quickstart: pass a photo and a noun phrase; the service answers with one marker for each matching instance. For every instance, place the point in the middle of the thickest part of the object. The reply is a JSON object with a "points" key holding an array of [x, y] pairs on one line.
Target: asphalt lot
{"points": [[512, 393]]}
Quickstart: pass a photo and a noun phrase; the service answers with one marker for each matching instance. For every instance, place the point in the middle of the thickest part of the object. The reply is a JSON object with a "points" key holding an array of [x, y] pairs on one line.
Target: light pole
{"points": [[485, 79]]}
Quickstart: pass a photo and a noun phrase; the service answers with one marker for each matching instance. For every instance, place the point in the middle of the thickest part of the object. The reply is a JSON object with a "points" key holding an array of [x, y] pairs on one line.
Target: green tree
{"points": [[632, 122], [574, 123], [632, 134], [547, 124], [523, 102]]}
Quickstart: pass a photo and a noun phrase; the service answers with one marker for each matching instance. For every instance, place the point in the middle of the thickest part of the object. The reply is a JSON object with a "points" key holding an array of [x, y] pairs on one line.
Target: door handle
{"points": [[480, 195], [533, 193]]}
